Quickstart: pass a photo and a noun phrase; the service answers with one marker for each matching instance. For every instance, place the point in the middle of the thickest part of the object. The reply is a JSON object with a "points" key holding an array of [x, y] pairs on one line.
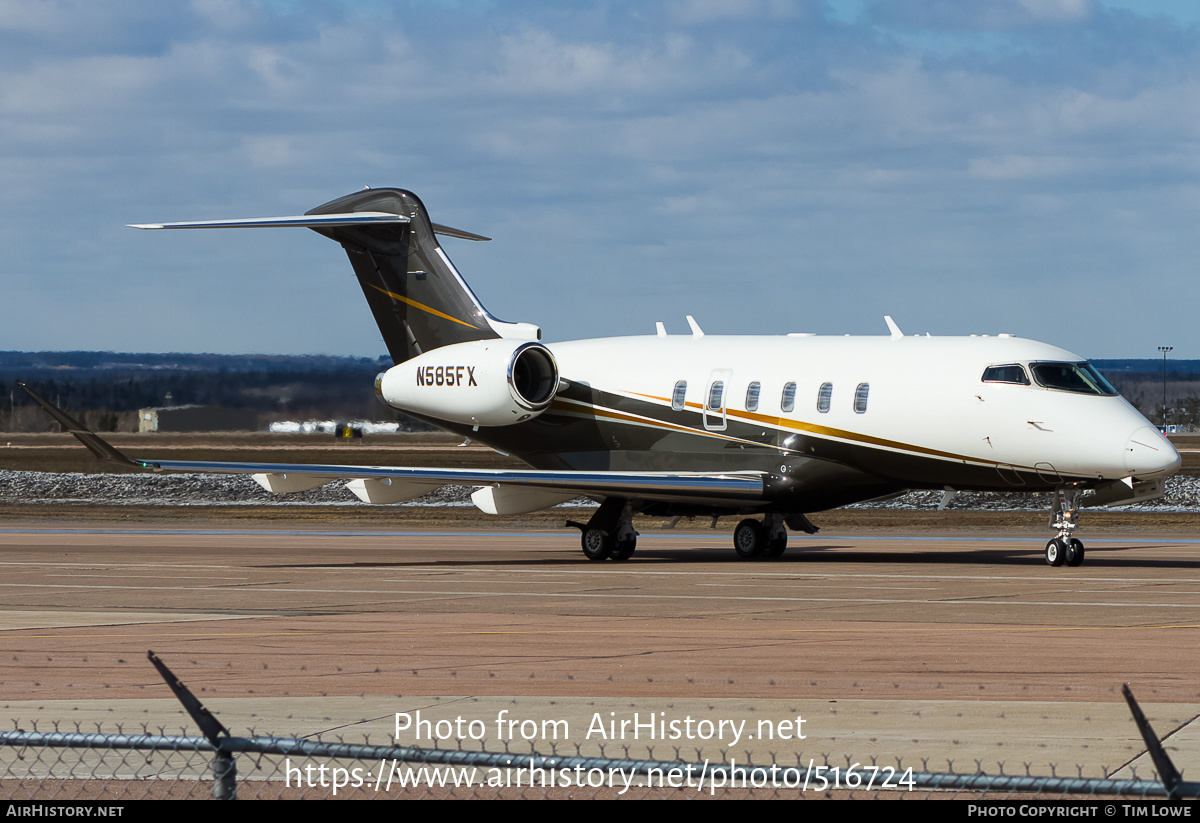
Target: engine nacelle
{"points": [[479, 383]]}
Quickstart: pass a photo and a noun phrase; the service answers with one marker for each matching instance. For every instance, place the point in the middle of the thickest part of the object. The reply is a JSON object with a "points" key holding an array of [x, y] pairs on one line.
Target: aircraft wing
{"points": [[391, 484], [503, 491]]}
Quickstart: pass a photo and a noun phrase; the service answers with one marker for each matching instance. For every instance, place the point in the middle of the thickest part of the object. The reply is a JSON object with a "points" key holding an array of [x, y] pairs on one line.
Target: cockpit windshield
{"points": [[1081, 378]]}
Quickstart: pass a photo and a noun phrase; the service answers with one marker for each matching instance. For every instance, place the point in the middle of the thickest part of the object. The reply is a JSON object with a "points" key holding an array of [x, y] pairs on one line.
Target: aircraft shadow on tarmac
{"points": [[1099, 556], [814, 554]]}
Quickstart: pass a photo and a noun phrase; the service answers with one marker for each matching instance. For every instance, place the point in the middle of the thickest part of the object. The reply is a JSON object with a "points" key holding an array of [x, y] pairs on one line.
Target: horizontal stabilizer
{"points": [[304, 221], [310, 221]]}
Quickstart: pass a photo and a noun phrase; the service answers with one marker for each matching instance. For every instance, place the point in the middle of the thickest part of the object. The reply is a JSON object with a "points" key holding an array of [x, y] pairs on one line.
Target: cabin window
{"points": [[752, 396], [824, 395], [716, 396], [1080, 378], [860, 397], [678, 395], [1012, 373], [788, 401]]}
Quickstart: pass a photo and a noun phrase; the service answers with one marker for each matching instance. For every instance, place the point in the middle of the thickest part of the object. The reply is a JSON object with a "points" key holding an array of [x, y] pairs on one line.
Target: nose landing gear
{"points": [[1064, 549]]}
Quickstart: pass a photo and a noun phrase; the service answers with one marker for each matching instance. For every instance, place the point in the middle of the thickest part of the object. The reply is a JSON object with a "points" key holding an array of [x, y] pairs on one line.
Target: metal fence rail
{"points": [[35, 767]]}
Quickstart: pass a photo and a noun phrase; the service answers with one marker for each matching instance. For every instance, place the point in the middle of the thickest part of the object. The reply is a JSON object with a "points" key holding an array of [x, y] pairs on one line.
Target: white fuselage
{"points": [[925, 398]]}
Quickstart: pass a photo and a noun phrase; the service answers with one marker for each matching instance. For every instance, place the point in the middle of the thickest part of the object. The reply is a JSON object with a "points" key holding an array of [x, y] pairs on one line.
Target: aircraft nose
{"points": [[1149, 453]]}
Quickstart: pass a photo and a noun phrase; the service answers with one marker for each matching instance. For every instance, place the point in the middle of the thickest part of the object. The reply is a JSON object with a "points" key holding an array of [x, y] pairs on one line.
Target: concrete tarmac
{"points": [[936, 651]]}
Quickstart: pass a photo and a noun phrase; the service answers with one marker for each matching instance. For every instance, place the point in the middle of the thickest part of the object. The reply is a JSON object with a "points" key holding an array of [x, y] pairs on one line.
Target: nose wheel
{"points": [[1067, 552], [1064, 549]]}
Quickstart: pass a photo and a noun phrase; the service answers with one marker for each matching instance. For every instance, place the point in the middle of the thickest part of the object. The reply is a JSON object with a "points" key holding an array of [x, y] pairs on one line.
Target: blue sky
{"points": [[769, 166]]}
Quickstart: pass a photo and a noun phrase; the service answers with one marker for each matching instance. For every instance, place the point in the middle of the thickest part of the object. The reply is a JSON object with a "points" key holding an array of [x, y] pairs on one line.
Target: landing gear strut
{"points": [[1064, 548]]}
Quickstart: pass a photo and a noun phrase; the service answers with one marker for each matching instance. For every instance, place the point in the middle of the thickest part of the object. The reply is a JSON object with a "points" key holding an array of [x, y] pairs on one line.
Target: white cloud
{"points": [[226, 15], [1057, 9], [30, 16], [1012, 167], [264, 152], [536, 62], [694, 12]]}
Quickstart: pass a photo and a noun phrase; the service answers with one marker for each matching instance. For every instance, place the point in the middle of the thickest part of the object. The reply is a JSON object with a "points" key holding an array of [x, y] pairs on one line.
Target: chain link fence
{"points": [[66, 765], [71, 766]]}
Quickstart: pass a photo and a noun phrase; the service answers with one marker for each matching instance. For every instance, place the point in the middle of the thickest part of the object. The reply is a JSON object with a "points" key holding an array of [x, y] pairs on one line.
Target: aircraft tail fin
{"points": [[418, 299]]}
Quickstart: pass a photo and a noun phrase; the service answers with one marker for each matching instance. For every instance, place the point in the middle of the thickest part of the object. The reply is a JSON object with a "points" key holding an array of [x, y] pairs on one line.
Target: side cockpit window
{"points": [[1012, 373]]}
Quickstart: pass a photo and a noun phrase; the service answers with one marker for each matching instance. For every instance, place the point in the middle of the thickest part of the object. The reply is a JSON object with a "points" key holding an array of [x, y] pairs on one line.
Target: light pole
{"points": [[1164, 350]]}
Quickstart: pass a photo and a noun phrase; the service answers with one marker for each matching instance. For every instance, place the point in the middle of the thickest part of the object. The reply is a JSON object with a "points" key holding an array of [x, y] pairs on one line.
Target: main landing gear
{"points": [[768, 539], [1064, 549], [609, 534], [599, 544]]}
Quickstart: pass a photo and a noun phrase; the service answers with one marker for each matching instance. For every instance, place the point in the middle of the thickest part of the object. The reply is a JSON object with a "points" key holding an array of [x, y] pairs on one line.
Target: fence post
{"points": [[224, 767]]}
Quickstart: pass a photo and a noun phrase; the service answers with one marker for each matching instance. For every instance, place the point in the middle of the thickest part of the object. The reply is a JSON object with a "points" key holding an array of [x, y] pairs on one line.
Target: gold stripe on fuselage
{"points": [[586, 409], [784, 424]]}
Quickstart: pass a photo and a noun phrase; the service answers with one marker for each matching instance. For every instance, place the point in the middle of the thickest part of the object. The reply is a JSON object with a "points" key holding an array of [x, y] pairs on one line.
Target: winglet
{"points": [[95, 444]]}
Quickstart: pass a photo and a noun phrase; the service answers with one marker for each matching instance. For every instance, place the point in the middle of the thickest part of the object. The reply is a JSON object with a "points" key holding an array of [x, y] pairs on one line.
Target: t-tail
{"points": [[419, 300]]}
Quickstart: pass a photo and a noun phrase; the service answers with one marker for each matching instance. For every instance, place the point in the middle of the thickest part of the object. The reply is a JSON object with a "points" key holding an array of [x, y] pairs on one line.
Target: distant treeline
{"points": [[1141, 383], [107, 388]]}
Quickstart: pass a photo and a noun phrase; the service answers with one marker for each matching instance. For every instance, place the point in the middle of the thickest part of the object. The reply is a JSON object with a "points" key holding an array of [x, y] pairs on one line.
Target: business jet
{"points": [[770, 429]]}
